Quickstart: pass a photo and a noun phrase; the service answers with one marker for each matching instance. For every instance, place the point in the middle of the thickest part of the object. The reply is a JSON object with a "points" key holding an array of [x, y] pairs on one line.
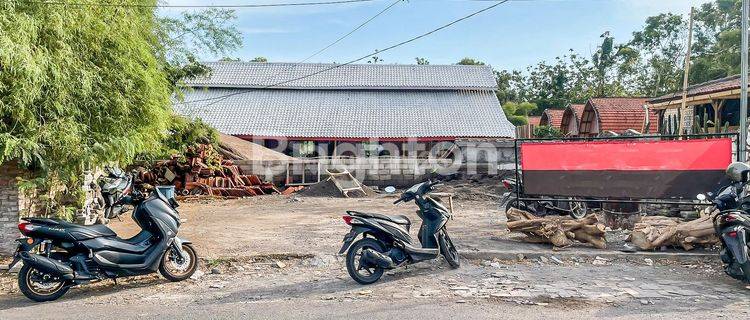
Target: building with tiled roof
{"points": [[571, 118], [534, 120], [551, 117], [702, 92], [314, 103], [616, 115], [715, 104]]}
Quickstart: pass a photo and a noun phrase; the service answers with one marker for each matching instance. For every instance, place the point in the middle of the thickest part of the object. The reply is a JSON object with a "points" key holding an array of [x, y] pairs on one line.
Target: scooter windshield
{"points": [[415, 188]]}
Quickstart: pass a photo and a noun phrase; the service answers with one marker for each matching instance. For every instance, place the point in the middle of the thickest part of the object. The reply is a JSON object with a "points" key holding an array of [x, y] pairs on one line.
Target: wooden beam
{"points": [[696, 100]]}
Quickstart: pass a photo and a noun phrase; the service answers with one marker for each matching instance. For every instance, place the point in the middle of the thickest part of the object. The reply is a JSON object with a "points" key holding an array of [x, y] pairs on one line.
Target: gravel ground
{"points": [[273, 257], [319, 287], [299, 225]]}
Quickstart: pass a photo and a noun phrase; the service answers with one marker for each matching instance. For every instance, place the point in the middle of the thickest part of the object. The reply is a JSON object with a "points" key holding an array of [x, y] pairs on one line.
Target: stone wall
{"points": [[11, 204], [372, 171]]}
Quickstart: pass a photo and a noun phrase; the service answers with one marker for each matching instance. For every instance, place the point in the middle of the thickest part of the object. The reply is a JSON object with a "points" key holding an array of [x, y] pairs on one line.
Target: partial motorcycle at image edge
{"points": [[107, 191], [58, 255], [386, 243], [732, 223]]}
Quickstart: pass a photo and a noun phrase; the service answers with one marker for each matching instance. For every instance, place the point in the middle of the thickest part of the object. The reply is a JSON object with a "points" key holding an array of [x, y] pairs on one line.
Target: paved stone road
{"points": [[319, 288]]}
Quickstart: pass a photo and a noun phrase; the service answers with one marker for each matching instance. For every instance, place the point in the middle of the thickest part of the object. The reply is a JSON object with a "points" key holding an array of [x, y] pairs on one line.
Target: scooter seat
{"points": [[89, 232], [397, 219], [77, 231]]}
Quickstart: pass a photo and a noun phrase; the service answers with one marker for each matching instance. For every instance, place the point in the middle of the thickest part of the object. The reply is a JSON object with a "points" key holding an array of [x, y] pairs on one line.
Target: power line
{"points": [[353, 31], [223, 97], [135, 5], [360, 26]]}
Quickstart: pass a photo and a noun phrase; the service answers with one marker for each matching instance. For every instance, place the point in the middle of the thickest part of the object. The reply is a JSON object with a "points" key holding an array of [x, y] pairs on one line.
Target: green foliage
{"points": [[470, 62], [374, 60], [79, 88], [84, 87], [570, 79], [518, 113], [179, 38], [547, 132], [184, 133], [209, 31], [259, 59], [650, 63], [508, 85], [422, 61]]}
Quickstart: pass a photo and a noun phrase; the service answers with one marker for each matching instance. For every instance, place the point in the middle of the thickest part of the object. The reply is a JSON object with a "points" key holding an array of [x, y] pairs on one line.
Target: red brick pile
{"points": [[203, 171]]}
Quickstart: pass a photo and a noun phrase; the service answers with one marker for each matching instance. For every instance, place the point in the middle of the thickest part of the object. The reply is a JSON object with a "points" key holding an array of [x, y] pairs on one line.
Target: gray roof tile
{"points": [[354, 76], [351, 113]]}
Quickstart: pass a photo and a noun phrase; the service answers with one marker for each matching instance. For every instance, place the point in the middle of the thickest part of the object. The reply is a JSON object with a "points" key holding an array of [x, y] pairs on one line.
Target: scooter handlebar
{"points": [[399, 200]]}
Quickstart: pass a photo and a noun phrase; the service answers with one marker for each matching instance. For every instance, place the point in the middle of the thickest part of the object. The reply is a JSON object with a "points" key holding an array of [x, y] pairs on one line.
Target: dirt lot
{"points": [[276, 224], [267, 256]]}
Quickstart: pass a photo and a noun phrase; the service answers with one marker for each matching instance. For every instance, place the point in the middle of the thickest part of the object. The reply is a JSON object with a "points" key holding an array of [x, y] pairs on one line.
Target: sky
{"points": [[511, 36]]}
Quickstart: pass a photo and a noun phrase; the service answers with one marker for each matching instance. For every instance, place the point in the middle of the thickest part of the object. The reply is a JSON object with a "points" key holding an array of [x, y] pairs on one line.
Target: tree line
{"points": [[649, 63]]}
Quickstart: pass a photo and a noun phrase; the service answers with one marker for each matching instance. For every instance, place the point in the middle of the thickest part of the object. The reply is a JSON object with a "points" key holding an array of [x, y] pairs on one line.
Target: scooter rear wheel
{"points": [[358, 272], [449, 250], [39, 286]]}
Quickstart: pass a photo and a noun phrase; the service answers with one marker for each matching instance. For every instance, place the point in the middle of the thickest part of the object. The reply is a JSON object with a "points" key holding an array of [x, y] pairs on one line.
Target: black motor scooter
{"points": [[57, 254], [732, 223], [386, 243]]}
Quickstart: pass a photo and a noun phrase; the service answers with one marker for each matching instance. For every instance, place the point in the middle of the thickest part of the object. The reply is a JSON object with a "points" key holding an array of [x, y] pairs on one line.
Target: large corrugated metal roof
{"points": [[354, 76], [350, 113]]}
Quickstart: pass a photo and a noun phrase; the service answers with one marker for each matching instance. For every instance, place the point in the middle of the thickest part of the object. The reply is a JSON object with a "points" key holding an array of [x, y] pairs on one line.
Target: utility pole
{"points": [[743, 84], [683, 108]]}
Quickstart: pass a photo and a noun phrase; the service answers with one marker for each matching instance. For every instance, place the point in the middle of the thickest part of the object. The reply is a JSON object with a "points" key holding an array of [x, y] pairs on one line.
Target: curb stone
{"points": [[513, 255]]}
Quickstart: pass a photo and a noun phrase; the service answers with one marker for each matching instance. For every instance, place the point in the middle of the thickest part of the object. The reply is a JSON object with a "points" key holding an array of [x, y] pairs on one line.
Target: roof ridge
{"points": [[240, 74], [342, 64], [639, 97], [710, 82]]}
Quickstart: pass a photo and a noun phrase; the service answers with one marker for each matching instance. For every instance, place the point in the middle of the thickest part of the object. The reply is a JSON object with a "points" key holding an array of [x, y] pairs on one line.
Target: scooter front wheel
{"points": [[175, 268], [449, 250], [359, 271]]}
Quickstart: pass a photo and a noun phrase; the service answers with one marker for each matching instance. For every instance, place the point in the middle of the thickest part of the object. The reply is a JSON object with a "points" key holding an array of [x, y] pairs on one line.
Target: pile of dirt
{"points": [[239, 149], [476, 188], [328, 189]]}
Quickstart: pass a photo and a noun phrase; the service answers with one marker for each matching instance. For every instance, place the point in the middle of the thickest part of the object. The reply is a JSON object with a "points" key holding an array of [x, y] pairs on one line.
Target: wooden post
{"points": [[687, 73]]}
